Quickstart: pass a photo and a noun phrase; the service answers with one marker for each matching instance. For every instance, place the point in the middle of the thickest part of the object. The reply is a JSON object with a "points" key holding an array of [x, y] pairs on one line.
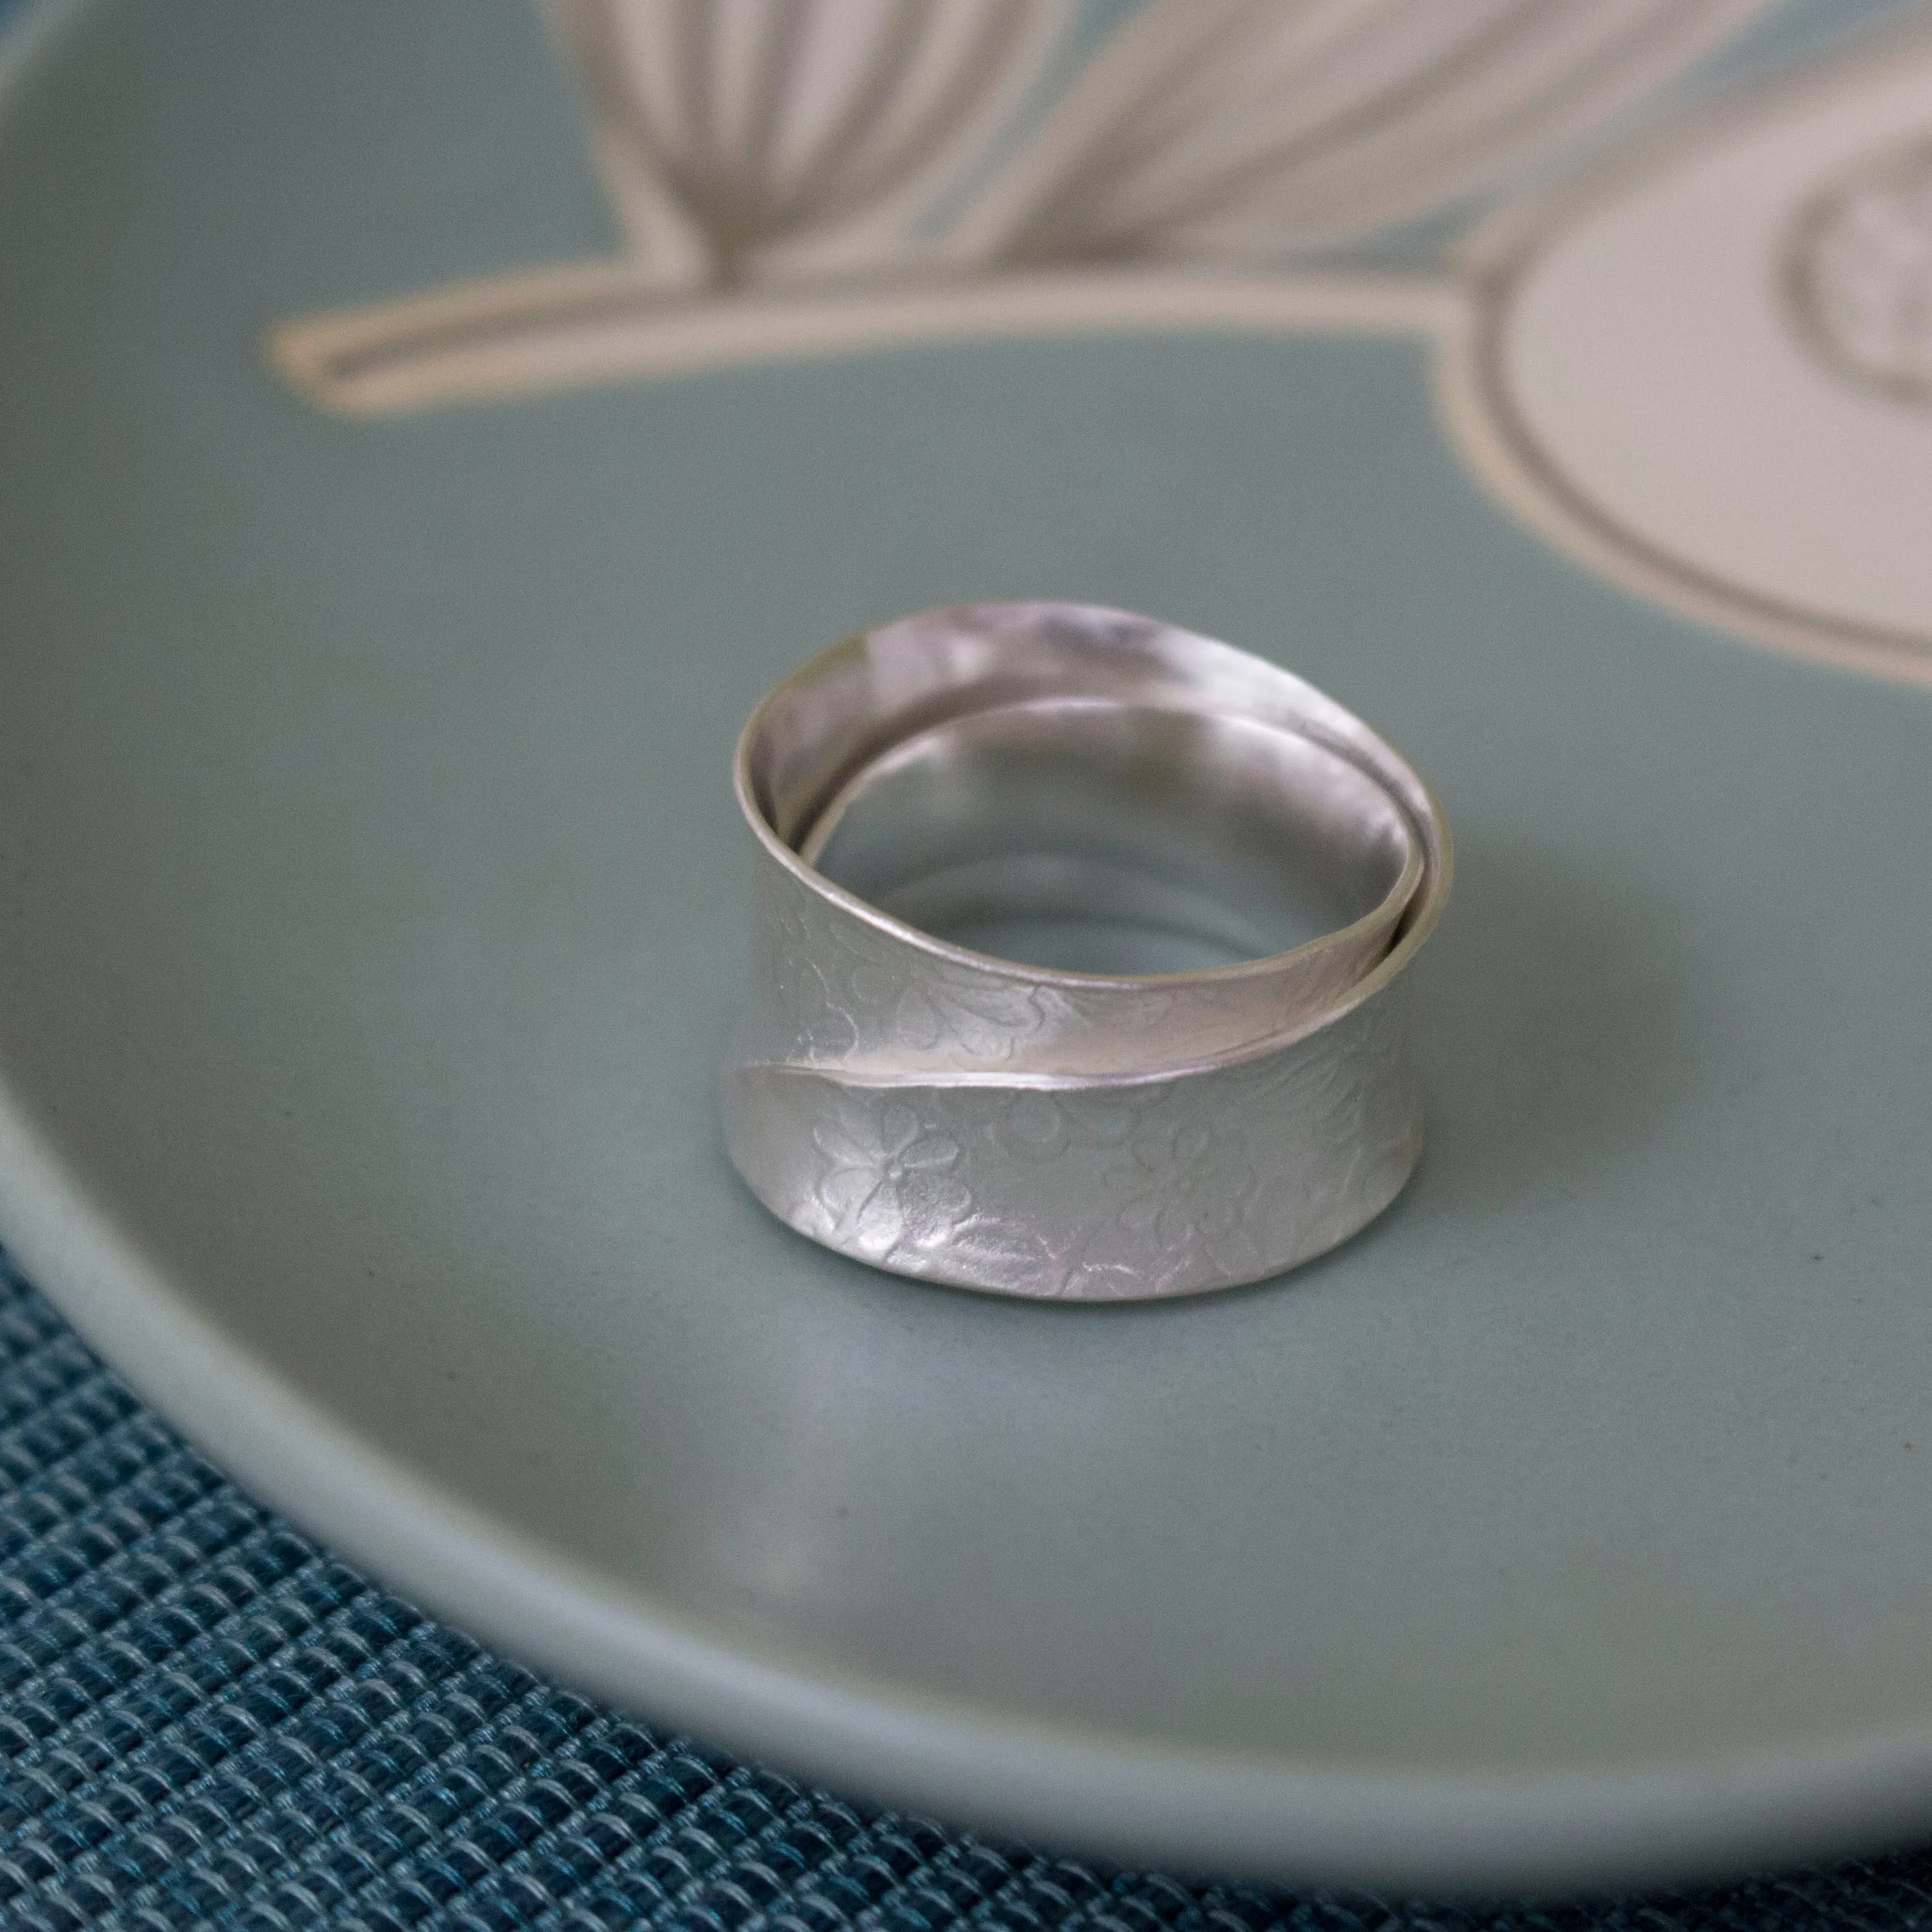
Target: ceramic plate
{"points": [[427, 432]]}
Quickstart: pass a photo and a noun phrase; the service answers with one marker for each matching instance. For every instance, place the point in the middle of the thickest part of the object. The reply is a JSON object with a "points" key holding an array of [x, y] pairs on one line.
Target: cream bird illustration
{"points": [[814, 176]]}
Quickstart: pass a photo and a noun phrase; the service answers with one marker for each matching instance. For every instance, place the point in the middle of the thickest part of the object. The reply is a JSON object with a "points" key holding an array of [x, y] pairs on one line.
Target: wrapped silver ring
{"points": [[1079, 959]]}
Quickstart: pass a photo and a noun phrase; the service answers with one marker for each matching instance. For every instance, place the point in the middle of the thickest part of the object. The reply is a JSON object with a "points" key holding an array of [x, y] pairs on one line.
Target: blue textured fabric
{"points": [[205, 1720]]}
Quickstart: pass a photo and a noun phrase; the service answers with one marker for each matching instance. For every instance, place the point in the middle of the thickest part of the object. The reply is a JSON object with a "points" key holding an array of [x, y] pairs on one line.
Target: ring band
{"points": [[1220, 876]]}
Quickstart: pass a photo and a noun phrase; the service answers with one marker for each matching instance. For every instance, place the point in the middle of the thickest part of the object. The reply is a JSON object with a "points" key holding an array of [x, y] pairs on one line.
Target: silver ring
{"points": [[1078, 959]]}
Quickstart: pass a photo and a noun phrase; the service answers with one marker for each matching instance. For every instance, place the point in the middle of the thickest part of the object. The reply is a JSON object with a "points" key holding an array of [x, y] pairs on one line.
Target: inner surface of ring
{"points": [[1091, 835]]}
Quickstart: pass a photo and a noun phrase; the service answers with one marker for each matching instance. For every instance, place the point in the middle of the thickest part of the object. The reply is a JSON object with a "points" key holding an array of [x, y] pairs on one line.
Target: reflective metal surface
{"points": [[1078, 956]]}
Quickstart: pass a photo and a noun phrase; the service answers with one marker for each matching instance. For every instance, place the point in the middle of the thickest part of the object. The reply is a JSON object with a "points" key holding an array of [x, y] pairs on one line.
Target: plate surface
{"points": [[373, 895]]}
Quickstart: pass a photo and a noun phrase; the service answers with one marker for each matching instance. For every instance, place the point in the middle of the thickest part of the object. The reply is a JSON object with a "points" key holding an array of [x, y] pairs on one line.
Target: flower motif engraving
{"points": [[839, 988], [1201, 1194], [889, 1181], [1037, 1124], [807, 1005], [929, 1009], [1107, 1192], [1099, 1193]]}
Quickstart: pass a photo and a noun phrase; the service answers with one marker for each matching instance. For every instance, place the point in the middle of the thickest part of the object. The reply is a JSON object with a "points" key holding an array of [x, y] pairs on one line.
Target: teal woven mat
{"points": [[205, 1720]]}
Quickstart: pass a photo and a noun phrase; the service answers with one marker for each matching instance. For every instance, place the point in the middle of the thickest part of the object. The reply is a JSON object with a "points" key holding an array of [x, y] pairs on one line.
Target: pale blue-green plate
{"points": [[370, 904]]}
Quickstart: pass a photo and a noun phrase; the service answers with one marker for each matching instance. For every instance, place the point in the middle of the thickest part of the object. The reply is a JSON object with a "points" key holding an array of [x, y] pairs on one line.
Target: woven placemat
{"points": [[205, 1720]]}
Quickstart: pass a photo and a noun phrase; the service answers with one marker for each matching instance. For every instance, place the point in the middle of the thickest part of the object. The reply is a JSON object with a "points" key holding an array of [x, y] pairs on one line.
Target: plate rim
{"points": [[1128, 1799]]}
